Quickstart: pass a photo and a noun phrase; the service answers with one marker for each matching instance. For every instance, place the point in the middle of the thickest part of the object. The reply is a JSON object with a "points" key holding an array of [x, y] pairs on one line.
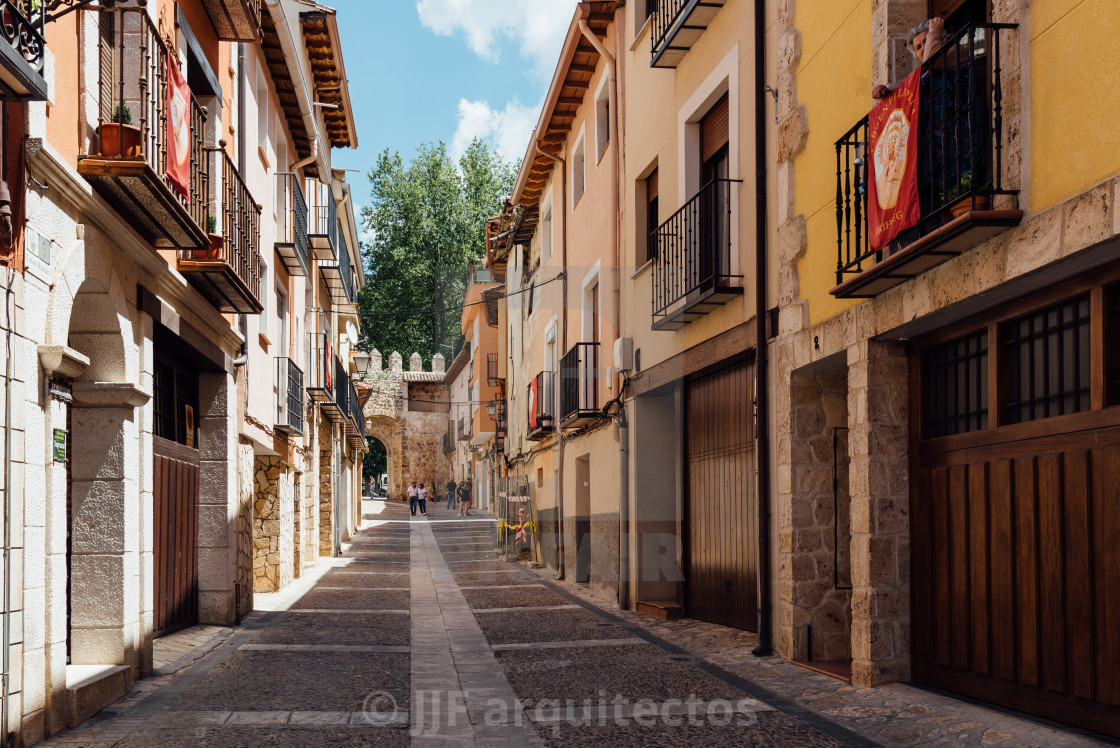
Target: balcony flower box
{"points": [[119, 140]]}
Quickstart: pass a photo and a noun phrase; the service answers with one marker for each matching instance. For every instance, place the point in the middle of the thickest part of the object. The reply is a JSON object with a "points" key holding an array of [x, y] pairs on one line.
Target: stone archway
{"points": [[413, 438]]}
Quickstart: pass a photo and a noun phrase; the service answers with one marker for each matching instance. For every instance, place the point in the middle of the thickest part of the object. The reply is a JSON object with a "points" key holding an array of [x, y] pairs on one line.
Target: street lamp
{"points": [[492, 408], [361, 362]]}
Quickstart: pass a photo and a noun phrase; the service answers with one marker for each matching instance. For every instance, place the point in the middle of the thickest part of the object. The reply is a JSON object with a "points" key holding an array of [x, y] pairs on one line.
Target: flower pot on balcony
{"points": [[119, 141], [211, 252], [969, 204]]}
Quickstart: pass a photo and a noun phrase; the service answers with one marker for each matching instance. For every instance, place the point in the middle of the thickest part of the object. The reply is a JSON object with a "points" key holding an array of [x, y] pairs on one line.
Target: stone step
{"points": [[666, 610]]}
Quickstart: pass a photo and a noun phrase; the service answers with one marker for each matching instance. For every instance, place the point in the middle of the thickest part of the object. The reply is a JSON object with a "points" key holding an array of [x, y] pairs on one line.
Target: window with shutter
{"points": [[714, 129]]}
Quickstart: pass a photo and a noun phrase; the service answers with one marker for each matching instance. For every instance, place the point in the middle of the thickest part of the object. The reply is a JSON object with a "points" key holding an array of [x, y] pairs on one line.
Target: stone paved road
{"points": [[418, 635]]}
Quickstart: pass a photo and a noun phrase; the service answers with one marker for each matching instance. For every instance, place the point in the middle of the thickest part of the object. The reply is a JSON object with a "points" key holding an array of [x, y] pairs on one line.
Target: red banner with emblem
{"points": [[178, 128], [533, 404], [892, 203]]}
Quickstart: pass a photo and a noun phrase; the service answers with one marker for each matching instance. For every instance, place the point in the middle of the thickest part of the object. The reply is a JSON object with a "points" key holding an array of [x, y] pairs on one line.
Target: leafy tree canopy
{"points": [[428, 220]]}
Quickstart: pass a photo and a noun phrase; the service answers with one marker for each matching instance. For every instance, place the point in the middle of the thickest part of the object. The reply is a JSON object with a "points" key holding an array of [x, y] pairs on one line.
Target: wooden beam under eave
{"points": [[572, 100], [577, 68], [576, 84]]}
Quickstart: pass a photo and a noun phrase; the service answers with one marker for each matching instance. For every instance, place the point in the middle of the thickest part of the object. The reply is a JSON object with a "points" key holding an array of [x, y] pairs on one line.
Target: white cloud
{"points": [[506, 130], [537, 26]]}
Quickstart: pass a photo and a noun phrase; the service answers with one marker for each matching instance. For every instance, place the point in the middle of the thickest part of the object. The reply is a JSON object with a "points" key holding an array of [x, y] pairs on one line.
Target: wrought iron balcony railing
{"points": [[677, 25], [692, 273], [291, 223], [230, 271], [960, 169], [322, 220], [320, 368], [128, 159], [289, 396], [464, 428], [338, 275], [579, 385], [542, 405], [22, 25], [339, 410]]}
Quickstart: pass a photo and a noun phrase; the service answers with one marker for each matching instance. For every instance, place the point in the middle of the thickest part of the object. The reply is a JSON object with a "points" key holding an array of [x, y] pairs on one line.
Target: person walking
{"points": [[422, 497], [451, 488], [465, 497], [413, 496]]}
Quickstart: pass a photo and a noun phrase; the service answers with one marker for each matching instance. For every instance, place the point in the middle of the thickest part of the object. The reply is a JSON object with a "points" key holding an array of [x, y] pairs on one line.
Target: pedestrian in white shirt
{"points": [[413, 496], [422, 496]]}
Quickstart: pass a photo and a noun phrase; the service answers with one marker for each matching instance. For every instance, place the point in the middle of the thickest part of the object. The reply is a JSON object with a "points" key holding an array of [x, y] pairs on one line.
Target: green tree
{"points": [[428, 224]]}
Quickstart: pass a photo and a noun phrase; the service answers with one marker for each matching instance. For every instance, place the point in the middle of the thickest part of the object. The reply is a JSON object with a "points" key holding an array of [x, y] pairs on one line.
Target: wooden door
{"points": [[721, 550], [175, 527], [1016, 567]]}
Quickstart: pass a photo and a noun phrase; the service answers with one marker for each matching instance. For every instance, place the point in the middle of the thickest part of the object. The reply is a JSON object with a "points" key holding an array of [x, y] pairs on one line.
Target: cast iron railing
{"points": [[342, 387], [960, 146], [291, 227], [289, 394], [579, 382], [356, 414], [132, 81], [241, 227], [693, 247], [464, 428], [344, 265], [320, 367], [23, 25], [544, 416], [322, 213]]}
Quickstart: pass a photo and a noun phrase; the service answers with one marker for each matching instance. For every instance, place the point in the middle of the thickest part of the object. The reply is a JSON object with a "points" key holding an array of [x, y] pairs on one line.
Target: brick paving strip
{"points": [[455, 675]]}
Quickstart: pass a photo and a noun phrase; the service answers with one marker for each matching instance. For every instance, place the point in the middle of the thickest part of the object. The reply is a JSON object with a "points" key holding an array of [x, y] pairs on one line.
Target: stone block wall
{"points": [[273, 525], [326, 492], [297, 524], [814, 521], [245, 499]]}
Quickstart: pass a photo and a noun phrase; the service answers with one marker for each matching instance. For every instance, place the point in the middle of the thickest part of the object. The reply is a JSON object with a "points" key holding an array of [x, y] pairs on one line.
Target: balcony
{"points": [[464, 432], [447, 442], [692, 273], [230, 271], [289, 396], [355, 425], [322, 221], [542, 404], [235, 20], [338, 278], [677, 25], [337, 410], [291, 224], [320, 368], [493, 378], [127, 164], [960, 183], [23, 56], [579, 385]]}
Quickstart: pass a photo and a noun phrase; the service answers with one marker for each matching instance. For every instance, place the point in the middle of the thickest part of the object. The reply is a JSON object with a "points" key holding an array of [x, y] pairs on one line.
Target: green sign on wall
{"points": [[60, 445]]}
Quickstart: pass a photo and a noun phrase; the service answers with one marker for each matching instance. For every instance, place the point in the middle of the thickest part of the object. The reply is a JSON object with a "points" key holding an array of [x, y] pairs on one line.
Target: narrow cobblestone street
{"points": [[418, 635]]}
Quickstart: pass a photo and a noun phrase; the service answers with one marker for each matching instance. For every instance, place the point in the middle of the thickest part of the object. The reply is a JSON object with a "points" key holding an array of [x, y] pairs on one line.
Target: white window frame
{"points": [[587, 314], [579, 168], [547, 223], [724, 79], [602, 118]]}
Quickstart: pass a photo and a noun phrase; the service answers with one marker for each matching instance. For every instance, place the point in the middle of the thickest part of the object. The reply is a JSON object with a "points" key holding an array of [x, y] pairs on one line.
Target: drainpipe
{"points": [[762, 393], [7, 628], [563, 348], [242, 81]]}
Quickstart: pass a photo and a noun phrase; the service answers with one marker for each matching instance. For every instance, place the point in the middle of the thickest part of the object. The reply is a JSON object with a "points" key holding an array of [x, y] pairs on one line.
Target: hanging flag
{"points": [[178, 128], [892, 204], [533, 404], [520, 536], [328, 377]]}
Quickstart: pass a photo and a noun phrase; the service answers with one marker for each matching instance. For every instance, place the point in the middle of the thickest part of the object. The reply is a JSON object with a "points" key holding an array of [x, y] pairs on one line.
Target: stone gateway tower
{"points": [[407, 411]]}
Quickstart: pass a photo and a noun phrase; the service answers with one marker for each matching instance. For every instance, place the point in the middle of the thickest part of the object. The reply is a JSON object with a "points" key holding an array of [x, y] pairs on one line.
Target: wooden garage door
{"points": [[175, 526], [1015, 509], [720, 540]]}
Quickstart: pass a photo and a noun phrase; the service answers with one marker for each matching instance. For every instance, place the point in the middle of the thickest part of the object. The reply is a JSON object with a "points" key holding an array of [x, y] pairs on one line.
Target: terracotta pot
{"points": [[116, 138], [969, 204], [211, 252]]}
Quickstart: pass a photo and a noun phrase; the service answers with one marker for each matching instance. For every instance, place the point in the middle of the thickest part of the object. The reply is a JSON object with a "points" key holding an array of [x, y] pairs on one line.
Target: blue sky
{"points": [[428, 70]]}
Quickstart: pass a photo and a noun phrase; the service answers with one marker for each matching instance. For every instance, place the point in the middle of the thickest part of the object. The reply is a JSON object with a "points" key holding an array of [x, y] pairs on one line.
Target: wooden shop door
{"points": [[175, 527]]}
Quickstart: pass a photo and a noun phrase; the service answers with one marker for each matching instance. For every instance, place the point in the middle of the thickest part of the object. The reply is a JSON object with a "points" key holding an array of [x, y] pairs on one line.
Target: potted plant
{"points": [[968, 203], [119, 138], [213, 251]]}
